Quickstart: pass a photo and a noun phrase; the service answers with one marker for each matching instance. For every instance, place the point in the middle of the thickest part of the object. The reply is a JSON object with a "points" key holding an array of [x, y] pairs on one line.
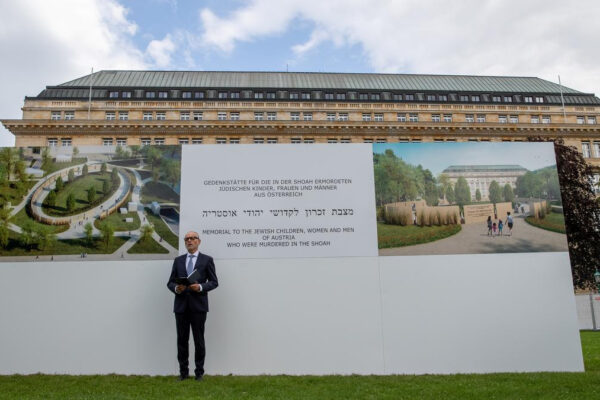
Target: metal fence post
{"points": [[594, 327]]}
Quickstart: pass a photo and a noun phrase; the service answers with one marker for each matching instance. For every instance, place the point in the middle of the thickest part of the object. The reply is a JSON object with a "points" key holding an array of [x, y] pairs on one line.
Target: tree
{"points": [[84, 171], [51, 199], [106, 233], [155, 175], [114, 176], [508, 193], [135, 150], [450, 193], [9, 157], [27, 236], [89, 231], [5, 218], [462, 192], [46, 158], [70, 202], [44, 237], [154, 157], [495, 193], [478, 195], [103, 168], [105, 187], [71, 175], [75, 151], [91, 194], [146, 233], [59, 184], [173, 173]]}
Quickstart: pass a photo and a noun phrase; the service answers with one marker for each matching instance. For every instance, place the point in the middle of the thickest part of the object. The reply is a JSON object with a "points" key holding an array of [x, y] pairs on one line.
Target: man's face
{"points": [[192, 241]]}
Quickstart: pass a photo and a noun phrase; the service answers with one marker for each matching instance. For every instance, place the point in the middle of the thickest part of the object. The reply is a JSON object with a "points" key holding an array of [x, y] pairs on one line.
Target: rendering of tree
{"points": [[507, 193], [105, 187], [59, 184], [114, 175], [75, 151], [5, 219], [45, 158], [89, 230], [103, 168], [106, 233], [9, 156], [154, 157], [146, 233], [495, 193], [450, 193], [155, 175], [70, 202], [51, 198], [462, 192], [173, 172], [91, 194], [478, 195], [27, 236], [44, 238], [84, 171], [135, 151], [71, 175]]}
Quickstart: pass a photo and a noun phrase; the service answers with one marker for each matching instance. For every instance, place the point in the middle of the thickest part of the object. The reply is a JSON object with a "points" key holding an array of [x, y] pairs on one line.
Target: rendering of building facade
{"points": [[479, 177], [113, 108]]}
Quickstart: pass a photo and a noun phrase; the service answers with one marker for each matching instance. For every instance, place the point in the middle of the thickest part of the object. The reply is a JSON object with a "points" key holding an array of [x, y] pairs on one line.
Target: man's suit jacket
{"points": [[188, 299]]}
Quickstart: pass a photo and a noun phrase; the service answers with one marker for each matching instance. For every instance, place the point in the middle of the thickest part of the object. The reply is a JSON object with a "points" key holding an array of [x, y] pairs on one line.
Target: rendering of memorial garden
{"points": [[90, 203]]}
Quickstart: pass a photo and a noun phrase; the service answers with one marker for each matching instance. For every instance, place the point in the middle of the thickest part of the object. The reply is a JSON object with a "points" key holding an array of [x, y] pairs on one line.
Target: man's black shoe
{"points": [[199, 377], [183, 377]]}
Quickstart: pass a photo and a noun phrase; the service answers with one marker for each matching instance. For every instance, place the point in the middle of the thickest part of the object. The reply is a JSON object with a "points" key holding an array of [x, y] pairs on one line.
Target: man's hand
{"points": [[179, 288], [195, 287]]}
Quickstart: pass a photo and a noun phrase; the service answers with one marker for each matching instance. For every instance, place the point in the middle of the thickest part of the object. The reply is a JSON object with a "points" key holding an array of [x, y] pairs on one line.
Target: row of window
{"points": [[590, 149], [292, 95]]}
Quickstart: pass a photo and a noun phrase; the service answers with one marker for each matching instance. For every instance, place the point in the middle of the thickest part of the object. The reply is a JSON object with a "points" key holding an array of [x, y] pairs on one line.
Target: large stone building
{"points": [[176, 107], [479, 177]]}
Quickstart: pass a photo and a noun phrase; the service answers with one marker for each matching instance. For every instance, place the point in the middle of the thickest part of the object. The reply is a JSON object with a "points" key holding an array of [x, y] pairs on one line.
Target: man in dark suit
{"points": [[191, 302]]}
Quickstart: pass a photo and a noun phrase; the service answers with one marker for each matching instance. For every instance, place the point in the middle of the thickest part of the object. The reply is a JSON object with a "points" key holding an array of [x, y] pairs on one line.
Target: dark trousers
{"points": [[196, 321]]}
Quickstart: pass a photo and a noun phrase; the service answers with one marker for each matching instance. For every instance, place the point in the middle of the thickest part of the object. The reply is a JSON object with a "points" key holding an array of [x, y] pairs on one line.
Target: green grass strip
{"points": [[389, 236], [554, 222]]}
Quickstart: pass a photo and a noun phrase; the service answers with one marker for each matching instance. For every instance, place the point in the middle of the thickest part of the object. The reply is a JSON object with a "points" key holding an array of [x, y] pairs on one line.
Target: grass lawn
{"points": [[554, 222], [161, 228], [61, 247], [79, 188], [510, 386], [22, 217], [117, 220], [398, 236], [149, 246], [144, 174], [156, 191], [53, 166]]}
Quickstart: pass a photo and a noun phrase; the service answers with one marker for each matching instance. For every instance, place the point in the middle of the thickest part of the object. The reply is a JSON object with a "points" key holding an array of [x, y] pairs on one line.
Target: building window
{"points": [[183, 141], [258, 95], [585, 147], [107, 142], [271, 140], [159, 141], [55, 115], [363, 96], [375, 96], [535, 119], [378, 117], [271, 116], [222, 116], [413, 117], [366, 117], [309, 140], [121, 142], [234, 140], [332, 140], [270, 95], [198, 115], [340, 96], [480, 118], [145, 141], [294, 96], [397, 97], [366, 140], [401, 117], [295, 116], [330, 116], [328, 96], [234, 95], [234, 116], [196, 140], [66, 142], [52, 142], [580, 119], [381, 140], [161, 116], [69, 115], [469, 118], [431, 97], [126, 95], [597, 149], [546, 119], [296, 140], [345, 140], [409, 97], [475, 99], [443, 97], [147, 116], [198, 95], [343, 117], [528, 99], [591, 120], [184, 115], [123, 116], [150, 95], [496, 99], [186, 95], [113, 95], [109, 116], [259, 116], [508, 99], [502, 119], [259, 140], [221, 140], [435, 117], [222, 95], [539, 99], [305, 96], [307, 116], [514, 119], [464, 98], [447, 117]]}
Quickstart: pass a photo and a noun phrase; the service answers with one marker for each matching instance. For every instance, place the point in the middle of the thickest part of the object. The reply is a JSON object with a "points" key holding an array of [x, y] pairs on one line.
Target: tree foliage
{"points": [[542, 184], [507, 193], [70, 202], [51, 198], [59, 185], [106, 233], [494, 192], [146, 233], [89, 231], [91, 194], [85, 169], [462, 192], [478, 195], [71, 175], [103, 167]]}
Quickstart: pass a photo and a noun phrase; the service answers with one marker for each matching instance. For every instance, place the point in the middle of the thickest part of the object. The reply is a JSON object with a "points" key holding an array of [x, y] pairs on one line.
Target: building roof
{"points": [[314, 80], [484, 168]]}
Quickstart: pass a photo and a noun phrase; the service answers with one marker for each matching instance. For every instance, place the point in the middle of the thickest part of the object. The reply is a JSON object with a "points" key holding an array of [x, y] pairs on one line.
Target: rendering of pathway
{"points": [[473, 239]]}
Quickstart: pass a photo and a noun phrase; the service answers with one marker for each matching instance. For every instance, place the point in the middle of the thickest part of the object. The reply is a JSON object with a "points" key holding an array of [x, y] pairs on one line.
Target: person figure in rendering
{"points": [[191, 302], [489, 225], [509, 222], [500, 226]]}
